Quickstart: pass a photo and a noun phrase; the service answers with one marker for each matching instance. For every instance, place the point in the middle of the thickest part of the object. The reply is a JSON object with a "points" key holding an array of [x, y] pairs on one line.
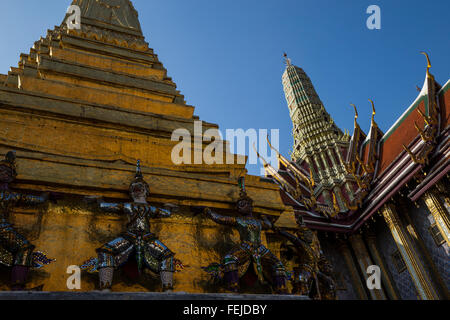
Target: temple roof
{"points": [[408, 110], [384, 164]]}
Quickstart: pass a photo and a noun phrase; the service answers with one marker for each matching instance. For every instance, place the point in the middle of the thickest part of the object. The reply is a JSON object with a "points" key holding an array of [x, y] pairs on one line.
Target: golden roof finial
{"points": [[286, 162], [271, 147], [373, 111], [413, 156], [356, 114], [259, 156], [428, 61]]}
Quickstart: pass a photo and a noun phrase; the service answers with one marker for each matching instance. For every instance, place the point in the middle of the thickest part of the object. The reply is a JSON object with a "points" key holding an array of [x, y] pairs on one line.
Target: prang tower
{"points": [[319, 145]]}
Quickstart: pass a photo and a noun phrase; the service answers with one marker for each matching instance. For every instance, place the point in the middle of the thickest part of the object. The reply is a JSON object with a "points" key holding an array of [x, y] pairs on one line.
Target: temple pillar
{"points": [[327, 197], [333, 160], [416, 269], [319, 167], [339, 198], [322, 166], [341, 159], [330, 169], [439, 214], [338, 169], [364, 261], [345, 252], [311, 167], [385, 277], [433, 271], [349, 191]]}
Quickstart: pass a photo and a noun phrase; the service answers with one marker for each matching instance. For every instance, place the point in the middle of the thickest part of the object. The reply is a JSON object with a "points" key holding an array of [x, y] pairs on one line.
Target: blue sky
{"points": [[226, 56]]}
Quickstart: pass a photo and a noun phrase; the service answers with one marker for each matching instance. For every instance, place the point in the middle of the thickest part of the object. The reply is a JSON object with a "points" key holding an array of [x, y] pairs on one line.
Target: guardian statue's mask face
{"points": [[245, 207], [139, 189], [11, 157]]}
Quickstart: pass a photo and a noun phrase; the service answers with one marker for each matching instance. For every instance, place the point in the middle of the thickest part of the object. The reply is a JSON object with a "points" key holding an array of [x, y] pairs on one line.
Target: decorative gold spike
{"points": [[298, 190], [349, 168], [357, 178], [356, 114], [425, 118], [373, 112], [429, 120], [413, 157], [286, 186], [259, 156], [407, 150], [422, 133], [288, 164], [417, 127], [361, 163], [429, 136], [280, 157], [335, 203], [373, 107], [428, 62]]}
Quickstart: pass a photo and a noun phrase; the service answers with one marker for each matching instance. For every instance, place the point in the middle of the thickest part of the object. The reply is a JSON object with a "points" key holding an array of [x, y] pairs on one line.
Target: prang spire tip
{"points": [[286, 59]]}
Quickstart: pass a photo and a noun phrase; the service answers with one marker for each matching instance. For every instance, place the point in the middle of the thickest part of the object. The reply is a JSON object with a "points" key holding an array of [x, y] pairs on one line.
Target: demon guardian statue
{"points": [[250, 250], [15, 250], [137, 241]]}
